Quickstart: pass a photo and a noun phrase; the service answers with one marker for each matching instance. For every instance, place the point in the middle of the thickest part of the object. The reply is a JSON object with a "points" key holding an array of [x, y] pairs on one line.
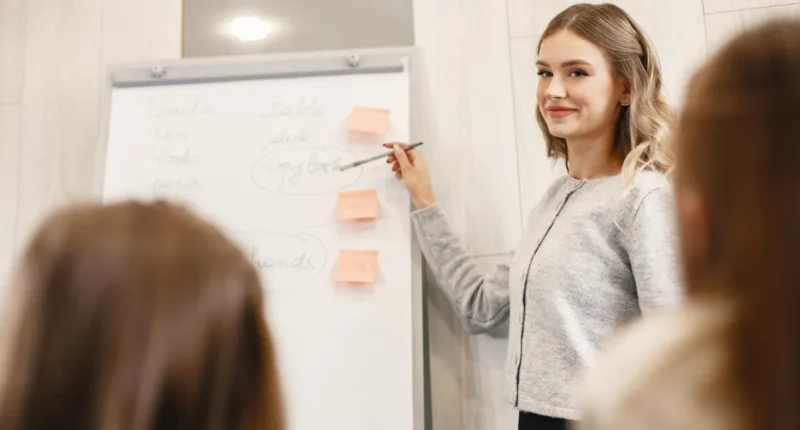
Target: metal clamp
{"points": [[158, 71]]}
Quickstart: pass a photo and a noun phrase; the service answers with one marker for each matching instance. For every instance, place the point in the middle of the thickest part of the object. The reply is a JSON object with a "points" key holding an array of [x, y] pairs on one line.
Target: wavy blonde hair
{"points": [[643, 127]]}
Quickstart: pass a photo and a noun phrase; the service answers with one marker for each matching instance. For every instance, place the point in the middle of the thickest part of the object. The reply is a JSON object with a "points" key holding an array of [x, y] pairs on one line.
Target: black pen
{"points": [[377, 157]]}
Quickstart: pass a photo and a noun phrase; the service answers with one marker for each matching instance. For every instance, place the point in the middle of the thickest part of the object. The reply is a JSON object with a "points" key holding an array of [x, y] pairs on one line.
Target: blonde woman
{"points": [[599, 248], [728, 360]]}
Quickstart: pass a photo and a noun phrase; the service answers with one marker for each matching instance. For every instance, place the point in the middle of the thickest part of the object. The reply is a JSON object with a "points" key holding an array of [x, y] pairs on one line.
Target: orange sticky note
{"points": [[368, 125], [357, 266], [358, 205]]}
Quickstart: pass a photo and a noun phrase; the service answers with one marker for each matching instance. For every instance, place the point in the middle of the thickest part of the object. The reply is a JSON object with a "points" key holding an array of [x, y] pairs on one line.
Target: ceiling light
{"points": [[249, 28]]}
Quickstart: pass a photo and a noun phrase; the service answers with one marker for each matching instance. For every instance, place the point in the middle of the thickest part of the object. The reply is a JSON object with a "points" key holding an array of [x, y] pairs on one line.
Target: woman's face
{"points": [[579, 94]]}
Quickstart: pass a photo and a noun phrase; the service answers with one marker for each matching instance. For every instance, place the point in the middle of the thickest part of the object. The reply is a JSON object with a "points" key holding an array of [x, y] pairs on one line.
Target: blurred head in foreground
{"points": [[727, 359], [138, 316], [738, 194]]}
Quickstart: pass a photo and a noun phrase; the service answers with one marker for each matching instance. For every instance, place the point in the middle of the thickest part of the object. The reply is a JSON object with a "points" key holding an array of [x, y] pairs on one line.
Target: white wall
{"points": [[478, 83], [52, 69]]}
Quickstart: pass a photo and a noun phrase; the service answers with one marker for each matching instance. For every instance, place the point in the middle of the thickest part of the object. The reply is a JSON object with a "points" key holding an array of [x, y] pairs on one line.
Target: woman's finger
{"points": [[402, 158]]}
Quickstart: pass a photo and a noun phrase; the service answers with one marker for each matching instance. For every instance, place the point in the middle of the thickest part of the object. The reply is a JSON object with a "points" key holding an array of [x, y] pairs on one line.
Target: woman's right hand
{"points": [[410, 167]]}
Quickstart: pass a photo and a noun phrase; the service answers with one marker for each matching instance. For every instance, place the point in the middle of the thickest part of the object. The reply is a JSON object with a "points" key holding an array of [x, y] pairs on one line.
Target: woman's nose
{"points": [[555, 89]]}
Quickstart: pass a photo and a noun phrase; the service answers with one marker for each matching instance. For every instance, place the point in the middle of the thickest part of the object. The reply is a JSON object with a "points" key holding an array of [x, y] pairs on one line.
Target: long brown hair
{"points": [[739, 148], [642, 128], [138, 316]]}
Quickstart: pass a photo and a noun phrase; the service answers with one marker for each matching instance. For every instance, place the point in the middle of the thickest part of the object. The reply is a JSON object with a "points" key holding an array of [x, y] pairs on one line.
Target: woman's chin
{"points": [[560, 132]]}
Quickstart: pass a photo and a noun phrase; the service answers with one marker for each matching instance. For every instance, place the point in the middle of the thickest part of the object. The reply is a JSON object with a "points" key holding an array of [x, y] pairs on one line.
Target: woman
{"points": [[599, 248], [730, 359], [138, 316]]}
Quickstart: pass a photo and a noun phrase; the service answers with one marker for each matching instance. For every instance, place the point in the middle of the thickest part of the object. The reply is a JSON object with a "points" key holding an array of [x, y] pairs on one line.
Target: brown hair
{"points": [[739, 148], [138, 316], [642, 128]]}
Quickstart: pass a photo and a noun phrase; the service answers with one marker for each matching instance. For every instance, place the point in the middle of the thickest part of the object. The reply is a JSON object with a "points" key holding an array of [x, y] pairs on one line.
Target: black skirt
{"points": [[529, 421]]}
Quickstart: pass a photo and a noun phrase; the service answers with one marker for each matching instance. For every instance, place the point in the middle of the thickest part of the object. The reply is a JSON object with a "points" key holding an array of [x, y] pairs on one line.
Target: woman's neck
{"points": [[593, 158]]}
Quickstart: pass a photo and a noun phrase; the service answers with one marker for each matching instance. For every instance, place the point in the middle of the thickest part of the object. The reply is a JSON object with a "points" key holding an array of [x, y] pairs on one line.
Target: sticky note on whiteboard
{"points": [[356, 266], [361, 205], [368, 125]]}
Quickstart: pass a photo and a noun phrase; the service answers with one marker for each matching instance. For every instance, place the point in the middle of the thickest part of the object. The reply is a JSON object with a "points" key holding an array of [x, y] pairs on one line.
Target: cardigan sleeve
{"points": [[652, 251], [481, 300]]}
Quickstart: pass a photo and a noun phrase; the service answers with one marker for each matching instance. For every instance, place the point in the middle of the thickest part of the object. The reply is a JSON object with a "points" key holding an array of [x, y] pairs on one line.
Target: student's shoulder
{"points": [[658, 369]]}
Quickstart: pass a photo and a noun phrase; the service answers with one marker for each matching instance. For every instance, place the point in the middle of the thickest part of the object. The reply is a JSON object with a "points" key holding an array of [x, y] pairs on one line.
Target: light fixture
{"points": [[249, 28]]}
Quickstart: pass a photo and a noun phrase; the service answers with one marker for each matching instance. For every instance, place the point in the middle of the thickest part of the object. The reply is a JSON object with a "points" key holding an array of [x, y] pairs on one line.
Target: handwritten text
{"points": [[305, 170], [303, 108]]}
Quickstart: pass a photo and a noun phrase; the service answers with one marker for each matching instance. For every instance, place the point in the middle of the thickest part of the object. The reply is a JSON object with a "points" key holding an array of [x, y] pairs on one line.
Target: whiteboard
{"points": [[258, 157]]}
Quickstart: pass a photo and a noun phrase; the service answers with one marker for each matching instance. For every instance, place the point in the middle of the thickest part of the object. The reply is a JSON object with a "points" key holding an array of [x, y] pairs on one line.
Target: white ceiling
{"points": [[300, 25]]}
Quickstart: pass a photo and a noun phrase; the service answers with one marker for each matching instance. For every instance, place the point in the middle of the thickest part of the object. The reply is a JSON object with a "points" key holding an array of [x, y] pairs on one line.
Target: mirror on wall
{"points": [[241, 27]]}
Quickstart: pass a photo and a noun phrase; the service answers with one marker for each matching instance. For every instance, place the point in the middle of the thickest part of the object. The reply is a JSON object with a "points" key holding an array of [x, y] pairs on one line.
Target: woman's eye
{"points": [[577, 73], [544, 73]]}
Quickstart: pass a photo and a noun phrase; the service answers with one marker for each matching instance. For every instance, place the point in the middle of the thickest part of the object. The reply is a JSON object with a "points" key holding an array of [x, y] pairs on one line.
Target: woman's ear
{"points": [[626, 97]]}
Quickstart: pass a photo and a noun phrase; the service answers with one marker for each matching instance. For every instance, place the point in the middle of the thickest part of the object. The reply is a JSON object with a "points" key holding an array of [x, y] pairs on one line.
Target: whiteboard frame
{"points": [[289, 65]]}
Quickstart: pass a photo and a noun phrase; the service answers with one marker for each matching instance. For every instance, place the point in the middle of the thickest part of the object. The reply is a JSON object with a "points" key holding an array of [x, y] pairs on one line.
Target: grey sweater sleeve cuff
{"points": [[427, 214]]}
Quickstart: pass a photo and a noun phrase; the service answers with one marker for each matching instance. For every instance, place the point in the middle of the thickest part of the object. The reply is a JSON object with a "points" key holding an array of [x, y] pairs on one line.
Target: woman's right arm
{"points": [[480, 300]]}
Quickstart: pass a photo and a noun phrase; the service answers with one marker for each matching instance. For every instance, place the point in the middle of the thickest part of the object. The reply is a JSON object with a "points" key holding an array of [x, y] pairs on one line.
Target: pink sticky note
{"points": [[358, 205], [356, 266], [368, 125]]}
